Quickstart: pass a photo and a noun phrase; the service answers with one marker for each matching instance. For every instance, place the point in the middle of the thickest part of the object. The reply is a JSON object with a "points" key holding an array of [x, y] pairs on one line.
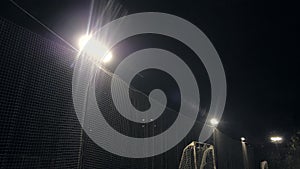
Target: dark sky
{"points": [[250, 36]]}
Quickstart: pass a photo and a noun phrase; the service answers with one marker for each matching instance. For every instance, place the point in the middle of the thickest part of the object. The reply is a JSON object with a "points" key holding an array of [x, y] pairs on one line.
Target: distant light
{"points": [[214, 121], [276, 139], [94, 49], [243, 139]]}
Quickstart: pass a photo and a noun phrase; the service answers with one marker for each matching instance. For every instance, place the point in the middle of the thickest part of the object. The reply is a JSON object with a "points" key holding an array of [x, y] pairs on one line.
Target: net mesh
{"points": [[38, 124], [37, 120], [198, 156]]}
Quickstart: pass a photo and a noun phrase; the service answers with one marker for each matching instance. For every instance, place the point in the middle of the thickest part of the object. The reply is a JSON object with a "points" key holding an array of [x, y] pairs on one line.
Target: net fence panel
{"points": [[38, 123], [38, 126]]}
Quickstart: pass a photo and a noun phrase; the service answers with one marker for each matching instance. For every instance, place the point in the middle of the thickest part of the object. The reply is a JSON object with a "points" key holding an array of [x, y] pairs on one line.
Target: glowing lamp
{"points": [[276, 139], [214, 122], [94, 49]]}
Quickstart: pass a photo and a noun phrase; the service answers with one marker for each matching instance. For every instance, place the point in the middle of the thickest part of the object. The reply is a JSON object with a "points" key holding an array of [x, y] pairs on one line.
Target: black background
{"points": [[255, 39]]}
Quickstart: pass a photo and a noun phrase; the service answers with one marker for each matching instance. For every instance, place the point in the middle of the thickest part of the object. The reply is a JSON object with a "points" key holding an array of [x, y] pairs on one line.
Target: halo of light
{"points": [[83, 40], [107, 57], [214, 122], [94, 49], [276, 139]]}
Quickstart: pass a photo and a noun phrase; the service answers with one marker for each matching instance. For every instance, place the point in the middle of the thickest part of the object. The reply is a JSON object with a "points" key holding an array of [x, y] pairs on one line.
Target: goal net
{"points": [[198, 156]]}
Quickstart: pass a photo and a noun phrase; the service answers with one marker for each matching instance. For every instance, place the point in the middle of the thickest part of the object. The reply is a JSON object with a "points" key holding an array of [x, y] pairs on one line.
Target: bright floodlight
{"points": [[243, 139], [94, 49], [214, 122], [276, 139], [107, 57], [83, 40]]}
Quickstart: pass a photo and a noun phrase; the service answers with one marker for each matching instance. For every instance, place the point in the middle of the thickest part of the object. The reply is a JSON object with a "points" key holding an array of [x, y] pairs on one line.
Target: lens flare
{"points": [[83, 40], [94, 49], [107, 57]]}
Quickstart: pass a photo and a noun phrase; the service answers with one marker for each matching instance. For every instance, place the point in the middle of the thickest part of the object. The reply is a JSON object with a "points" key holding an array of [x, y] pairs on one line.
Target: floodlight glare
{"points": [[94, 49], [107, 57], [214, 122], [276, 139], [83, 40], [243, 139]]}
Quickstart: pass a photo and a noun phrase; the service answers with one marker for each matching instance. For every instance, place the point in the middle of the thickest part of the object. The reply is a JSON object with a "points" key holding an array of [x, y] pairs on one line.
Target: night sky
{"points": [[250, 36]]}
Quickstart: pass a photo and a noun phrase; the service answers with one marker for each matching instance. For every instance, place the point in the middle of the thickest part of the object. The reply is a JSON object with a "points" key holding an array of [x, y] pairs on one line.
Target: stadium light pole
{"points": [[99, 54], [276, 140], [245, 153], [214, 122]]}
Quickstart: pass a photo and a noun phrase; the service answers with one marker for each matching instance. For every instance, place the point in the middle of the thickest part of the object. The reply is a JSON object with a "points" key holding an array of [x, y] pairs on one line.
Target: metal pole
{"points": [[195, 154]]}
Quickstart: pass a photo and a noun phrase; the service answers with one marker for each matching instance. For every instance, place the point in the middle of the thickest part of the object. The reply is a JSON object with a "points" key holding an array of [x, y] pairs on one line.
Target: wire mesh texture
{"points": [[38, 127], [38, 124], [198, 156]]}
